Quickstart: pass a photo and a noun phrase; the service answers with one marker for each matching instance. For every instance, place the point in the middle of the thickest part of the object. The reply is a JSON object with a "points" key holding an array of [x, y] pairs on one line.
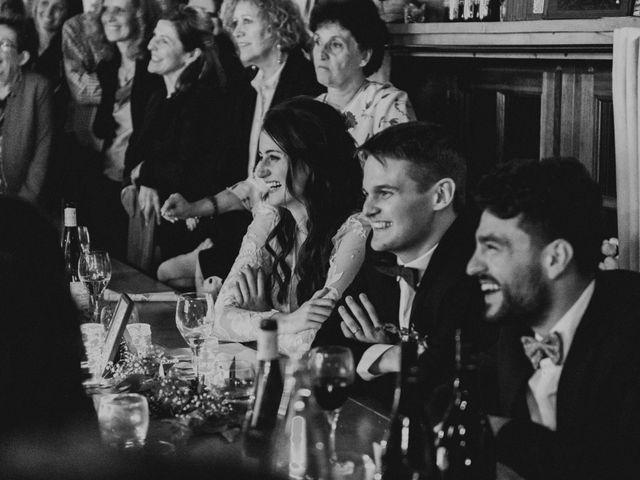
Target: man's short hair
{"points": [[429, 150], [556, 198]]}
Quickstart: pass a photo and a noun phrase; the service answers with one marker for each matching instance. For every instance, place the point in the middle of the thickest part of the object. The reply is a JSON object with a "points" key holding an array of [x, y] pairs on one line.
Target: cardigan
{"points": [[26, 136]]}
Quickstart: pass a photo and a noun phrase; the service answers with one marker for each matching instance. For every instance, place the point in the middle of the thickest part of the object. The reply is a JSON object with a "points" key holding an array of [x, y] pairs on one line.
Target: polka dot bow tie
{"points": [[549, 347]]}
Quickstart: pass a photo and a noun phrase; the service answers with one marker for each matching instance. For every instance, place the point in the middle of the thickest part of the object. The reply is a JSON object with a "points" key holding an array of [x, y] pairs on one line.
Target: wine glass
{"points": [[84, 239], [194, 319], [332, 372], [94, 270]]}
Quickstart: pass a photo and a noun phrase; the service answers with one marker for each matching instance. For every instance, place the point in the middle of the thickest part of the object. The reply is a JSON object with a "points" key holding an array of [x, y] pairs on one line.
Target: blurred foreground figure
{"points": [[40, 379], [567, 367]]}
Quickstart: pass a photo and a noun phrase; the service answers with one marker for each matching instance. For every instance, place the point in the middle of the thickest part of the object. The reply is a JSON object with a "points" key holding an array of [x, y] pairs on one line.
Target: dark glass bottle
{"points": [[465, 446], [71, 243], [408, 451], [261, 417]]}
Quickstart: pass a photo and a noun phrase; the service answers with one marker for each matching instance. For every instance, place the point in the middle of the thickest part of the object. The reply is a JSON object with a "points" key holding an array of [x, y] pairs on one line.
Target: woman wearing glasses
{"points": [[25, 116]]}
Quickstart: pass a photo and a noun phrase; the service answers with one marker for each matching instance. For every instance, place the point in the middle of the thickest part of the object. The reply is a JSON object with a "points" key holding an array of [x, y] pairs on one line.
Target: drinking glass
{"points": [[124, 420], [234, 379], [140, 338], [331, 372], [84, 239], [94, 270], [93, 340], [194, 319]]}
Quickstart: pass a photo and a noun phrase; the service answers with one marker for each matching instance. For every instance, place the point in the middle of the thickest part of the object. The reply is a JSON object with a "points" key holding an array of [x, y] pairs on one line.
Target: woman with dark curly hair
{"points": [[348, 46], [304, 245], [270, 36], [183, 144]]}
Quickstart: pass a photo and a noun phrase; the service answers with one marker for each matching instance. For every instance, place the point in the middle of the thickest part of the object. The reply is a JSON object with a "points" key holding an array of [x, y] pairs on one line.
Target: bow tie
{"points": [[549, 347], [410, 275]]}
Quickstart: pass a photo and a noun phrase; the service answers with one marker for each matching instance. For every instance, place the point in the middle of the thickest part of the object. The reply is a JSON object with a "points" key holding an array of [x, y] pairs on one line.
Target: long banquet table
{"points": [[359, 425]]}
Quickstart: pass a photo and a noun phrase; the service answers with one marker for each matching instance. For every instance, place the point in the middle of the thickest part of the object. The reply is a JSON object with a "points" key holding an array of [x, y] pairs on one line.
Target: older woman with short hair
{"points": [[348, 46], [26, 127], [184, 142]]}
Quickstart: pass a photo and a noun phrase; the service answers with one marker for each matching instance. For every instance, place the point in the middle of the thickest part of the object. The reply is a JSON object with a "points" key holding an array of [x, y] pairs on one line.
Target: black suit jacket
{"points": [[297, 78], [598, 402], [446, 299]]}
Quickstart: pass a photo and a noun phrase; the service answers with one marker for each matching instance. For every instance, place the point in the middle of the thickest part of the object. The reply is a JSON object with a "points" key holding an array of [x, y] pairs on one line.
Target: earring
{"points": [[280, 55]]}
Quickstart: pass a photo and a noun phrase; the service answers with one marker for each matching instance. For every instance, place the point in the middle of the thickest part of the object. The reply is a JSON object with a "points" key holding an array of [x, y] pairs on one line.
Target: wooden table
{"points": [[359, 424]]}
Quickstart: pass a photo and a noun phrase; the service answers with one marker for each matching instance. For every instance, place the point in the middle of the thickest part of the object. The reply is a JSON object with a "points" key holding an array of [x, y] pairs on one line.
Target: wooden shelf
{"points": [[545, 39]]}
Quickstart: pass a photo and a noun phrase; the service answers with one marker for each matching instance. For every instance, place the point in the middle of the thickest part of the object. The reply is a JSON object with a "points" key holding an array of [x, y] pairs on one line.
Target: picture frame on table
{"points": [[115, 331], [587, 8]]}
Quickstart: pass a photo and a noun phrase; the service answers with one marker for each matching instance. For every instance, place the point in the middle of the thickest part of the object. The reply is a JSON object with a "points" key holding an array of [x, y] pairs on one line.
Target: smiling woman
{"points": [[184, 143], [25, 116], [303, 248], [122, 29]]}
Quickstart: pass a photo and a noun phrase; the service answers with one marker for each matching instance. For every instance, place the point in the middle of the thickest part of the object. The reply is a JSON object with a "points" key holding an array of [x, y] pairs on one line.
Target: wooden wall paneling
{"points": [[585, 114], [501, 102], [547, 114], [569, 108]]}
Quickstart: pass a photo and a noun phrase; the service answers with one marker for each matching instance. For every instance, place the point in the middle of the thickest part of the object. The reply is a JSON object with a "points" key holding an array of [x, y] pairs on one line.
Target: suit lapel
{"points": [[450, 250], [579, 364], [514, 371]]}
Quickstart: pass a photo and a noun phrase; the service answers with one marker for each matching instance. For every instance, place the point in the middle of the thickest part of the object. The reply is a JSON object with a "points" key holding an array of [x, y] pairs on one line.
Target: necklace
{"points": [[339, 107]]}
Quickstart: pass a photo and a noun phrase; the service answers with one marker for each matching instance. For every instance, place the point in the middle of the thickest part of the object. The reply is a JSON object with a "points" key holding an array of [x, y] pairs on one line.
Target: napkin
{"points": [[113, 296]]}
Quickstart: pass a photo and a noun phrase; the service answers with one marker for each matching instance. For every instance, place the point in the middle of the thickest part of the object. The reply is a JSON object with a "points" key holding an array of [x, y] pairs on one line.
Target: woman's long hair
{"points": [[313, 135], [195, 30]]}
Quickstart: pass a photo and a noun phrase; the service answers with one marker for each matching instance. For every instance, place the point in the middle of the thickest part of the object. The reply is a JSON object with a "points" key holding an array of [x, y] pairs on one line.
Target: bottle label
{"points": [[538, 7], [70, 217], [267, 345]]}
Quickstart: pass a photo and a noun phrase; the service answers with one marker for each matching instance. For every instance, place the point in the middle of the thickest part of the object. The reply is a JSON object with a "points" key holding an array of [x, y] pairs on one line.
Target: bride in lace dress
{"points": [[305, 244]]}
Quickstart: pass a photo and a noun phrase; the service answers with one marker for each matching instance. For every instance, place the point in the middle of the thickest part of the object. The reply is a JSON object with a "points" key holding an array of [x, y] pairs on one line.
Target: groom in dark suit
{"points": [[414, 271], [567, 370]]}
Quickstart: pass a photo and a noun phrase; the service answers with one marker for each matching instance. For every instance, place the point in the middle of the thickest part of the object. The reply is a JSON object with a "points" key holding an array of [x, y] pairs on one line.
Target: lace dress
{"points": [[236, 324]]}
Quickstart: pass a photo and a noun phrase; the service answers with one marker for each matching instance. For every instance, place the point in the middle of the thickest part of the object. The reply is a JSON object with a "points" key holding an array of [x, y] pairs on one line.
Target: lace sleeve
{"points": [[233, 323], [249, 191], [348, 253]]}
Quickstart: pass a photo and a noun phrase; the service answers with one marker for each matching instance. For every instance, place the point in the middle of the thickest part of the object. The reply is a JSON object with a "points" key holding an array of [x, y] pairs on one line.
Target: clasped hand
{"points": [[361, 322], [251, 290], [176, 207]]}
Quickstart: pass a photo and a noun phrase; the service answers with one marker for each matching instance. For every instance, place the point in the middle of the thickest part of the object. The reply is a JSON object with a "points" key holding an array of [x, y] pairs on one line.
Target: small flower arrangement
{"points": [[169, 394]]}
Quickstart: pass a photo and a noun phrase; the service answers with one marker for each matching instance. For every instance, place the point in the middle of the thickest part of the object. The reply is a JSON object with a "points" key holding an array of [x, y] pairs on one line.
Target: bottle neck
{"points": [[410, 384]]}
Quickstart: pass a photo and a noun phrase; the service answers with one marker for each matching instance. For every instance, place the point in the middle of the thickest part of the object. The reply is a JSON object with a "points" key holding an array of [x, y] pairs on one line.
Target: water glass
{"points": [[93, 339], [209, 354], [234, 379], [140, 338], [124, 420]]}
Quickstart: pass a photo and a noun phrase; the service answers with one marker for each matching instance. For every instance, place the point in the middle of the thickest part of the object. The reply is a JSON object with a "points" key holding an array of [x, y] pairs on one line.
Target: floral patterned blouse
{"points": [[236, 324], [373, 108]]}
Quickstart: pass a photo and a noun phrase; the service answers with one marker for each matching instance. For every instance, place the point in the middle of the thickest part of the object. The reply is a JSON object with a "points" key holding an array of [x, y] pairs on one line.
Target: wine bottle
{"points": [[408, 448], [71, 243], [261, 417], [465, 446]]}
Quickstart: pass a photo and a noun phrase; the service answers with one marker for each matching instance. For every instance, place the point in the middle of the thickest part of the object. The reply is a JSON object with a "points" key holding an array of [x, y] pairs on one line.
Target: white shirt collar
{"points": [[421, 263], [259, 82], [569, 322]]}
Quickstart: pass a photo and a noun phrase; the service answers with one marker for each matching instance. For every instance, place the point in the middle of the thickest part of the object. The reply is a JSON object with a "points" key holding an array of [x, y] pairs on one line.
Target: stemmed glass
{"points": [[94, 270], [332, 372], [194, 319]]}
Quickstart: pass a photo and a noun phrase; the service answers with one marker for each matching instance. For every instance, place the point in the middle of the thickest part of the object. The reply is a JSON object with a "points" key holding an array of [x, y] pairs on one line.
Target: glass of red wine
{"points": [[332, 372]]}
